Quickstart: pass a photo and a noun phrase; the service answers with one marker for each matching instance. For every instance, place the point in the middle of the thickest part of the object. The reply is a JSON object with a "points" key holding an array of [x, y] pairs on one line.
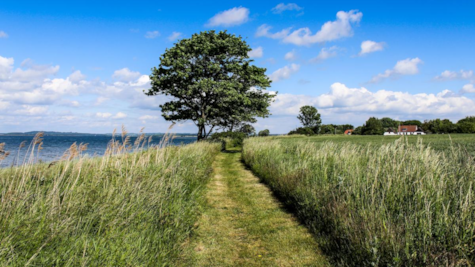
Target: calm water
{"points": [[55, 146]]}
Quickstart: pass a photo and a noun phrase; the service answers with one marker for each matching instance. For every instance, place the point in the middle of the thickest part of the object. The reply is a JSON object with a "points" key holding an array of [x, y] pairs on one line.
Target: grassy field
{"points": [[123, 209], [374, 200], [438, 142]]}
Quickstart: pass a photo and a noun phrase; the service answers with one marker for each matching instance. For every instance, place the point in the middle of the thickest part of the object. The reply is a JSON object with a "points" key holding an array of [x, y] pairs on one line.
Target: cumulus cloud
{"points": [[407, 66], [256, 52], [291, 56], [33, 95], [325, 53], [468, 88], [152, 34], [370, 47], [77, 76], [263, 31], [104, 115], [284, 73], [3, 34], [174, 36], [125, 75], [231, 17], [6, 66], [453, 75], [34, 73], [31, 110], [344, 101], [330, 31], [283, 7], [120, 115]]}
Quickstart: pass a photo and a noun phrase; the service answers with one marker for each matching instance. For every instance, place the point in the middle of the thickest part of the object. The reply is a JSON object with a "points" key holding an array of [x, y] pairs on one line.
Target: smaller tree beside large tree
{"points": [[310, 118]]}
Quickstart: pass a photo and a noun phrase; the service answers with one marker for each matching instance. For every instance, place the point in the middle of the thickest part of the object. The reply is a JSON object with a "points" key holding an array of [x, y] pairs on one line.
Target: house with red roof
{"points": [[410, 130]]}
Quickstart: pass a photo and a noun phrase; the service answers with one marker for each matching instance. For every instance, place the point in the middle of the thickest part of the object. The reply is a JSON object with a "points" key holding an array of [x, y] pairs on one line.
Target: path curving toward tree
{"points": [[244, 225]]}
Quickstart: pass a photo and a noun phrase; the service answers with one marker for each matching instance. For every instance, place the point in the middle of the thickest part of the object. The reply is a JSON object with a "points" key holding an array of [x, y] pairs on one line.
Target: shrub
{"points": [[233, 139], [264, 132], [303, 131]]}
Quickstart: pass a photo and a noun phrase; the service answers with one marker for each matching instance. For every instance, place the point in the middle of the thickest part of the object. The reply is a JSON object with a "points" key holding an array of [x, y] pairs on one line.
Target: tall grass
{"points": [[396, 204], [123, 209]]}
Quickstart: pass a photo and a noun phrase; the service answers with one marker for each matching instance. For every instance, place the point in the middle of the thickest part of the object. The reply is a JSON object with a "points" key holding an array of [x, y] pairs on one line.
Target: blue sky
{"points": [[82, 65]]}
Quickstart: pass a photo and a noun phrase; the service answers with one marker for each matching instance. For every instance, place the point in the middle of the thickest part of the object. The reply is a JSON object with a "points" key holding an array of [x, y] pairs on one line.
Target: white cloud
{"points": [[403, 67], [34, 72], [125, 75], [77, 76], [326, 53], [284, 73], [31, 110], [103, 115], [468, 88], [330, 31], [263, 31], [174, 36], [360, 103], [3, 34], [291, 56], [370, 47], [120, 115], [256, 52], [231, 17], [6, 66], [100, 100], [148, 117], [33, 95], [152, 34], [283, 7], [60, 87], [452, 75]]}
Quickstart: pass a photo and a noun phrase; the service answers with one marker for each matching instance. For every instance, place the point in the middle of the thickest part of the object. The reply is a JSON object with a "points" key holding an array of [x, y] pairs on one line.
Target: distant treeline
{"points": [[375, 126]]}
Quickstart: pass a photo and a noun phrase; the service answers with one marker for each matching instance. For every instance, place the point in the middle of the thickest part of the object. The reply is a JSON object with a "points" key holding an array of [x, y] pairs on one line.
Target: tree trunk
{"points": [[201, 135]]}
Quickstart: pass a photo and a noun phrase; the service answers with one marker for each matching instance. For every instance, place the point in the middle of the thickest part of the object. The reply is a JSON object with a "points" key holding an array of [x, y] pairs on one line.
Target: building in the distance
{"points": [[410, 130], [390, 131], [348, 132]]}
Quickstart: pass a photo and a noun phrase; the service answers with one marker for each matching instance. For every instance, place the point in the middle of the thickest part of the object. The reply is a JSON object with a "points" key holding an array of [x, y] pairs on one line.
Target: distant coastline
{"points": [[52, 133]]}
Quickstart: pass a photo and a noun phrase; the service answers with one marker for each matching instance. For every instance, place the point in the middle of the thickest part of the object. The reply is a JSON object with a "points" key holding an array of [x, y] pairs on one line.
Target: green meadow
{"points": [[274, 201], [376, 200]]}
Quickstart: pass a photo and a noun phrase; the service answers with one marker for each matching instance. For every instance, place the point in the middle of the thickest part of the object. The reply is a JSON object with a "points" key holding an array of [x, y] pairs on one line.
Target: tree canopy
{"points": [[212, 82], [309, 117], [373, 126], [265, 132]]}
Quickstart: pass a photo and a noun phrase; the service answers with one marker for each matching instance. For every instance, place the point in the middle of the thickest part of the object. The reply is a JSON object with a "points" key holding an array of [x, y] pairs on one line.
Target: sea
{"points": [[55, 146]]}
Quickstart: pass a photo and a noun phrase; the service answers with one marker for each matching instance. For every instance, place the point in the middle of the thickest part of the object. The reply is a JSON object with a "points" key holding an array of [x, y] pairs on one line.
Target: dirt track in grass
{"points": [[245, 225]]}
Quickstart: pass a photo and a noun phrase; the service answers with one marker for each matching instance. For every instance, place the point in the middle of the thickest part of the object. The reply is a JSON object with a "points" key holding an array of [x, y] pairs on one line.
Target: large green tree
{"points": [[212, 82], [309, 117], [373, 126]]}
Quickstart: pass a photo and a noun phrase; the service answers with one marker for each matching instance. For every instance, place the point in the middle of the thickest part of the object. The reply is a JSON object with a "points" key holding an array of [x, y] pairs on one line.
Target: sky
{"points": [[82, 66]]}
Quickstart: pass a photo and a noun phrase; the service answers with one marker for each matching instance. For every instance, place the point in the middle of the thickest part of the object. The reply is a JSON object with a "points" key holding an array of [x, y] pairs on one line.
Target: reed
{"points": [[394, 204], [134, 206]]}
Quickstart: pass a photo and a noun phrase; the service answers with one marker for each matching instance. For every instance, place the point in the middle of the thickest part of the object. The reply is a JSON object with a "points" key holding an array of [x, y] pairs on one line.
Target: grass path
{"points": [[244, 225]]}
